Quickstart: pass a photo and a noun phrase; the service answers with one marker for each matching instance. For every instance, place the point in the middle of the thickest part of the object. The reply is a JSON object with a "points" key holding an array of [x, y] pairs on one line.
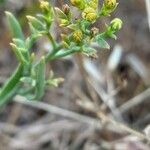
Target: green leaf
{"points": [[19, 53], [113, 36], [89, 51], [14, 26], [32, 29], [73, 27], [19, 43], [36, 23], [52, 81], [31, 39], [60, 13], [40, 79], [20, 49], [11, 86], [28, 80], [101, 42], [84, 25]]}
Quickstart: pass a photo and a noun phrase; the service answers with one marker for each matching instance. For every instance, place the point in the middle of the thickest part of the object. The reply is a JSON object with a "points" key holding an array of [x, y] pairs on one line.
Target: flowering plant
{"points": [[29, 78]]}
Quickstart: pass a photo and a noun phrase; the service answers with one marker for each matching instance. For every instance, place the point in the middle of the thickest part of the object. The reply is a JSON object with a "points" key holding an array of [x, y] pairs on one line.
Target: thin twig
{"points": [[122, 126], [59, 111], [143, 120], [85, 119], [105, 98], [135, 101]]}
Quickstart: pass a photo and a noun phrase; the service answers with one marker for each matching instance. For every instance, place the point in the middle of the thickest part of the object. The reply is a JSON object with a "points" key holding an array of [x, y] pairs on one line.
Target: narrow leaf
{"points": [[60, 13], [19, 53], [14, 26], [36, 23], [101, 42], [40, 78], [19, 43], [11, 86]]}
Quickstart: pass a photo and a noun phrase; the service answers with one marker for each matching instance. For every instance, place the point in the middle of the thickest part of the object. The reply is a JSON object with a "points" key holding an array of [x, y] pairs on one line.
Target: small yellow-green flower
{"points": [[93, 4], [89, 14], [110, 4], [108, 7], [44, 5], [78, 3], [116, 24], [77, 36]]}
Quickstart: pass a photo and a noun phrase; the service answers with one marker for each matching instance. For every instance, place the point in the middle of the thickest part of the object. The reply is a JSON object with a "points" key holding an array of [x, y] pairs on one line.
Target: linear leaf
{"points": [[40, 78], [14, 26], [11, 86]]}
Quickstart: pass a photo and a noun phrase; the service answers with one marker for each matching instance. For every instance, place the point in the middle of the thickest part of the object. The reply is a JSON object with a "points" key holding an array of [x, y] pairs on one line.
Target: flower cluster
{"points": [[29, 79], [82, 34]]}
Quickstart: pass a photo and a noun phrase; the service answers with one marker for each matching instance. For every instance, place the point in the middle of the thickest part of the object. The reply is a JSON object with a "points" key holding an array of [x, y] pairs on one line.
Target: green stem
{"points": [[54, 44], [54, 51], [64, 53]]}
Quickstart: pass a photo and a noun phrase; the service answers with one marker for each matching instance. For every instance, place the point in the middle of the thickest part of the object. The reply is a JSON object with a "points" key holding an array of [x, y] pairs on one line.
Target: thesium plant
{"points": [[29, 78]]}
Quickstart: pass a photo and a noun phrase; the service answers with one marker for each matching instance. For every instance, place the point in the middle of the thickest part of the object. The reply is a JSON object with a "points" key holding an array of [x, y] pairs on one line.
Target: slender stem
{"points": [[63, 54], [52, 40], [54, 51]]}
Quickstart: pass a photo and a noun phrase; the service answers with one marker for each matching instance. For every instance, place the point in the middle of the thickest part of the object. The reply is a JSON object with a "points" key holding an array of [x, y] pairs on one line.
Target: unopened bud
{"points": [[110, 4], [108, 7], [89, 14], [78, 3], [116, 24], [93, 4], [77, 36], [44, 5]]}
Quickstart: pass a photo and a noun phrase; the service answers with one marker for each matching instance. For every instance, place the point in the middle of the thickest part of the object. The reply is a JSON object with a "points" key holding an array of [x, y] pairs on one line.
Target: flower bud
{"points": [[47, 14], [116, 24], [108, 7], [93, 4], [44, 5], [78, 3], [110, 4], [77, 36], [89, 14], [66, 9]]}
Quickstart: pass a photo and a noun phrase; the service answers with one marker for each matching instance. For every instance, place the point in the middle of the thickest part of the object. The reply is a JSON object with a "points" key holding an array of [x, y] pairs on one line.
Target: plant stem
{"points": [[52, 40], [54, 51], [63, 54]]}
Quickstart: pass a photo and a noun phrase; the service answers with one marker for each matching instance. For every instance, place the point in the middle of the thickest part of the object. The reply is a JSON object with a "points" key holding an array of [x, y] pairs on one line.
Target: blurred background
{"points": [[104, 103]]}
